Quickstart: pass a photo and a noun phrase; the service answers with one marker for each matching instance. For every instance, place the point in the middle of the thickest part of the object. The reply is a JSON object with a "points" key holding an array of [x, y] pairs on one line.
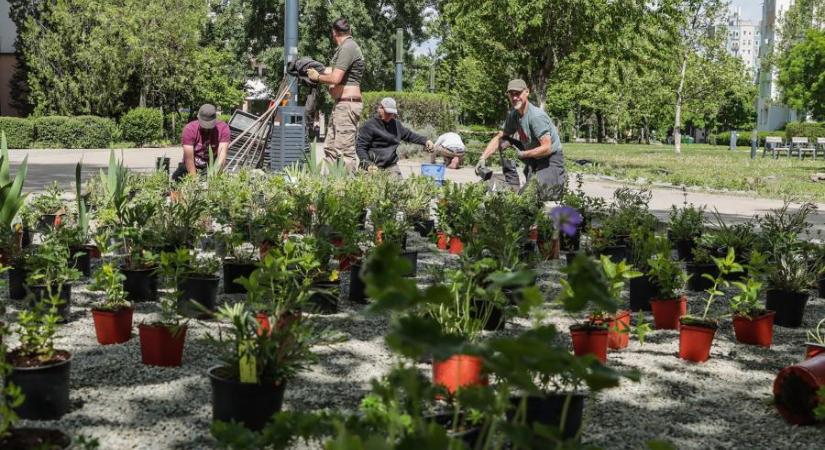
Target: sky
{"points": [[751, 9]]}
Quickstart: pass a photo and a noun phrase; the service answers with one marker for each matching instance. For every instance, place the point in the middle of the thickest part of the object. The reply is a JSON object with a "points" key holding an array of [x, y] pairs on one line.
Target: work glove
{"points": [[429, 146], [372, 169], [313, 74], [482, 162]]}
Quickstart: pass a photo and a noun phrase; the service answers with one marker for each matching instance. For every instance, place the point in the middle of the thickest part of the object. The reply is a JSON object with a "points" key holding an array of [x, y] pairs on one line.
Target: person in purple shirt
{"points": [[198, 138]]}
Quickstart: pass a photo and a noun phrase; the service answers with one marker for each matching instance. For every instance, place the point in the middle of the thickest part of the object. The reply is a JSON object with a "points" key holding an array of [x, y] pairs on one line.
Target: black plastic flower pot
{"points": [[548, 411], [64, 310], [231, 272], [27, 438], [250, 404], [569, 257], [46, 388], [424, 227], [27, 238], [357, 293], [412, 257], [468, 434], [617, 253], [789, 307], [325, 299], [48, 221], [570, 244], [198, 289], [684, 248], [820, 284], [495, 320], [17, 282], [141, 285], [696, 282], [642, 290], [80, 259], [162, 164]]}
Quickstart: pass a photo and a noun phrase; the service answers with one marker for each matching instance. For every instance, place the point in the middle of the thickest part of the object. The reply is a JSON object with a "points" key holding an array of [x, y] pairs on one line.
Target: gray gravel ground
{"points": [[723, 403]]}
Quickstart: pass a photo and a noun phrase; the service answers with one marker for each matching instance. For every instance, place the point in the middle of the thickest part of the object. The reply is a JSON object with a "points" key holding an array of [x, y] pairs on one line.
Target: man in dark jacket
{"points": [[379, 137]]}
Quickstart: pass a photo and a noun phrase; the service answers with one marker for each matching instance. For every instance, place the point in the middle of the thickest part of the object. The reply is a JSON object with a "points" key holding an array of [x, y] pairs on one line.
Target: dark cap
{"points": [[207, 116], [516, 85]]}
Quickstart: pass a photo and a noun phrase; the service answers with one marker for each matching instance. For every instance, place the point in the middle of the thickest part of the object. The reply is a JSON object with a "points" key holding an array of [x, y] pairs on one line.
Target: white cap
{"points": [[389, 105]]}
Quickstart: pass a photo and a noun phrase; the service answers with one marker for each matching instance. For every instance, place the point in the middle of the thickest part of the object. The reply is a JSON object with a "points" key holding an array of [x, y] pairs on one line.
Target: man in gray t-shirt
{"points": [[344, 80], [529, 127]]}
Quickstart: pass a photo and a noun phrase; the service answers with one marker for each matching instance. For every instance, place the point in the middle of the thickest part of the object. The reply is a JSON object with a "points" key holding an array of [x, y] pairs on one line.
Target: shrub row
{"points": [[743, 139], [75, 132], [416, 109], [811, 130], [19, 131]]}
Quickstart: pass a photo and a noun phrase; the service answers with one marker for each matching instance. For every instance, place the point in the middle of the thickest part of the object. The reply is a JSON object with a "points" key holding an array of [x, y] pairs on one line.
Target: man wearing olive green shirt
{"points": [[344, 80]]}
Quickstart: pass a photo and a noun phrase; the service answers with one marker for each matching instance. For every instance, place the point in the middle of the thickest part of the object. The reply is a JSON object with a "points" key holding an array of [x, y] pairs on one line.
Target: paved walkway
{"points": [[46, 166]]}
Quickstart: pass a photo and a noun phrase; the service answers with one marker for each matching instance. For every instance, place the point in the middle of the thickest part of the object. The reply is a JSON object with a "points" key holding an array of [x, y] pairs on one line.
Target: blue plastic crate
{"points": [[434, 171]]}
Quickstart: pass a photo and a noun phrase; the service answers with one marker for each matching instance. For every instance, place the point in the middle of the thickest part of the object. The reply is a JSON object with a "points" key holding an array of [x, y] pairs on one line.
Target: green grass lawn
{"points": [[712, 167]]}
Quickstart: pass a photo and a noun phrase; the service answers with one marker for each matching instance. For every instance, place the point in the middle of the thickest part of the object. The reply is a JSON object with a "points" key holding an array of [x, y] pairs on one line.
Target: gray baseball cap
{"points": [[207, 116], [516, 85], [389, 105]]}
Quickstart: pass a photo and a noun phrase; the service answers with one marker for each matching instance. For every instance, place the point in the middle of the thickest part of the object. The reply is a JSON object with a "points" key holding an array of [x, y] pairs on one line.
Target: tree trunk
{"points": [[677, 121], [600, 127]]}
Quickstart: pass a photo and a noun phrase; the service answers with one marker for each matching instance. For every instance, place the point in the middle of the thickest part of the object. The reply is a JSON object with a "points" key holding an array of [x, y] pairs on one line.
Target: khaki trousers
{"points": [[342, 132]]}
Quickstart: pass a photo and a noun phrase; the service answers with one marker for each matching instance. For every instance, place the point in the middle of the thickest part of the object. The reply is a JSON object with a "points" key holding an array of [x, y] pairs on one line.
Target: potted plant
{"points": [[239, 261], [628, 213], [788, 279], [590, 208], [162, 339], [11, 398], [644, 245], [39, 370], [49, 274], [198, 282], [248, 387], [49, 208], [752, 323], [816, 341], [686, 225], [618, 323], [669, 279], [418, 204], [112, 316], [457, 210], [11, 201], [696, 332], [701, 263], [180, 223]]}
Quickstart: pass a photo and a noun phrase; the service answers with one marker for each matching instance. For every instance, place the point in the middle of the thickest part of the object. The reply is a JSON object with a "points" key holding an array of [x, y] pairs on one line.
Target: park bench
{"points": [[800, 146], [773, 144], [820, 143]]}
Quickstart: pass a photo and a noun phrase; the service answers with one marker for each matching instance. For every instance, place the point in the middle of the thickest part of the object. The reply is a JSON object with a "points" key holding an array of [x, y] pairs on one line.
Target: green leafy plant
{"points": [[818, 334], [11, 198], [11, 397], [746, 302], [726, 266], [687, 222], [110, 281], [37, 328], [667, 276], [49, 265], [789, 272]]}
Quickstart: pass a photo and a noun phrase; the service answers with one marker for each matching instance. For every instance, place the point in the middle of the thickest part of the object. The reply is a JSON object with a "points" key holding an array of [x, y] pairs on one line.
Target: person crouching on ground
{"points": [[199, 137], [451, 147], [380, 136]]}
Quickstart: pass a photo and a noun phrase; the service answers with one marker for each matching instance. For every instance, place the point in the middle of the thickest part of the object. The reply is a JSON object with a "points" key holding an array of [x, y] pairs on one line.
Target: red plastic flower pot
{"points": [[618, 331], [534, 234], [459, 371], [345, 262], [756, 331], [795, 390], [456, 246], [666, 313], [442, 241], [590, 342], [695, 342], [113, 327], [159, 347], [812, 349]]}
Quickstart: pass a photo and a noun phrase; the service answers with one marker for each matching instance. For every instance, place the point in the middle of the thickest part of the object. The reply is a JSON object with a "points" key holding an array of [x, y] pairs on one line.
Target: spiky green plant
{"points": [[11, 192]]}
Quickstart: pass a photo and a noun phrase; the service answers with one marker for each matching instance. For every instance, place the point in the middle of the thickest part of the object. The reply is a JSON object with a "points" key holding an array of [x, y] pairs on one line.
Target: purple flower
{"points": [[566, 219]]}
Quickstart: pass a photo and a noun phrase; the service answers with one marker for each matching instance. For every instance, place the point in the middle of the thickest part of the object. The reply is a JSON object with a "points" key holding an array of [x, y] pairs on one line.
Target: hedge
{"points": [[416, 109], [142, 126], [811, 130], [19, 131], [744, 138], [76, 132]]}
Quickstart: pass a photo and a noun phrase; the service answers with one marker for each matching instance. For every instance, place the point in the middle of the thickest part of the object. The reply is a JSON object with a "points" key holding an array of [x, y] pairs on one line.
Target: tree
{"points": [[697, 41], [531, 38], [802, 74]]}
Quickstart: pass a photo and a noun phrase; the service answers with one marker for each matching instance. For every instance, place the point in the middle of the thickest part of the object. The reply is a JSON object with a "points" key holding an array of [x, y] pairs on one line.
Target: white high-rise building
{"points": [[771, 113], [743, 37]]}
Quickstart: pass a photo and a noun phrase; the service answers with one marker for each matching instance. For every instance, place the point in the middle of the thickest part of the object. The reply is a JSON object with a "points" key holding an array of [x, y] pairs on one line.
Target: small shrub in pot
{"points": [[113, 316], [668, 280]]}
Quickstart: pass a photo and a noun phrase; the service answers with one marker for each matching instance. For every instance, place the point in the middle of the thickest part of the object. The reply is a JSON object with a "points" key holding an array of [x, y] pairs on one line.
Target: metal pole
{"points": [[432, 75], [399, 58], [754, 143], [291, 45]]}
